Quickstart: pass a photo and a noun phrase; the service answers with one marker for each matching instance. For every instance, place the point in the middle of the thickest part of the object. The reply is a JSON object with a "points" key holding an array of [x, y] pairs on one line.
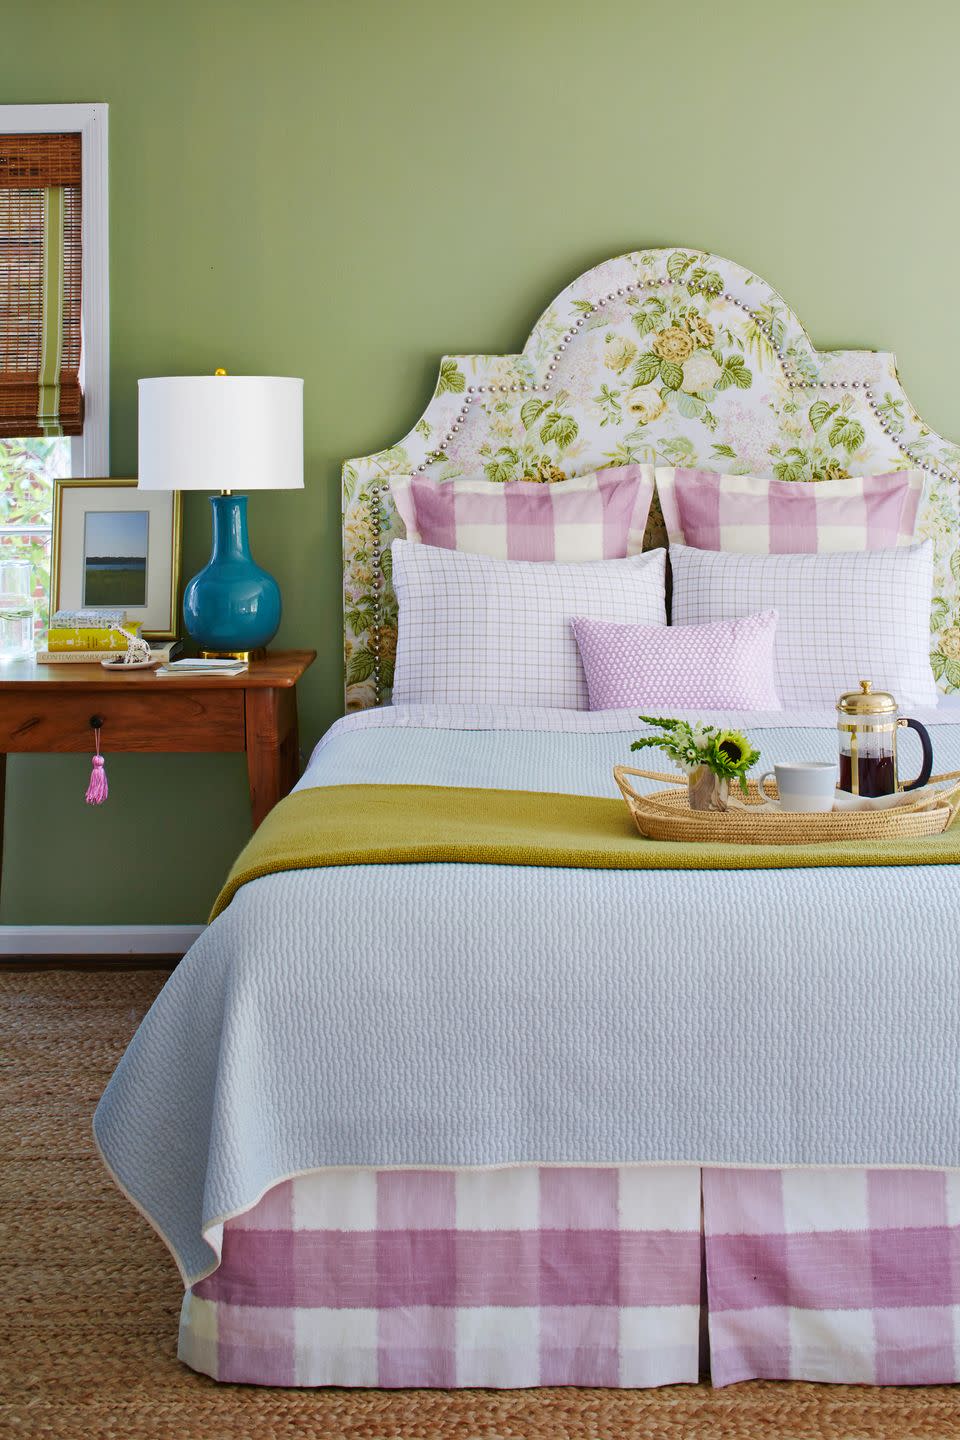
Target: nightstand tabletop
{"points": [[277, 669]]}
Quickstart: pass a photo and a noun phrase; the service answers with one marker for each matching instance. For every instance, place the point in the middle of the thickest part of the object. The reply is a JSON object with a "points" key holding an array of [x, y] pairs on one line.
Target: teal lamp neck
{"points": [[233, 606], [230, 538]]}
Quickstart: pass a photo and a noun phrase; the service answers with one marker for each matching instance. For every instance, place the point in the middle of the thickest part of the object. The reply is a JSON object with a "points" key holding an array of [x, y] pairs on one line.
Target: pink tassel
{"points": [[98, 789]]}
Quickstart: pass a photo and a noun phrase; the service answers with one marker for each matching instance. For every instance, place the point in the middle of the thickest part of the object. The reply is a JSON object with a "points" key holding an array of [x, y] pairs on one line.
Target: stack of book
{"points": [[87, 636], [202, 667]]}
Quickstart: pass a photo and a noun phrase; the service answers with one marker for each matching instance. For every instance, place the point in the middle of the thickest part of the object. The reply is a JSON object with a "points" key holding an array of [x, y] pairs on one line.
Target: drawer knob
{"points": [[96, 722]]}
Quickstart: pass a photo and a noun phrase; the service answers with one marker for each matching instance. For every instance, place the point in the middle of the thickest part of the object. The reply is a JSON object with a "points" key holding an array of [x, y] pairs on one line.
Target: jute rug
{"points": [[90, 1297]]}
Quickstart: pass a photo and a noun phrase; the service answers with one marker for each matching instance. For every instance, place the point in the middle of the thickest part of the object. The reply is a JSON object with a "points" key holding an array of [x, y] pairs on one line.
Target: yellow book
{"points": [[89, 638]]}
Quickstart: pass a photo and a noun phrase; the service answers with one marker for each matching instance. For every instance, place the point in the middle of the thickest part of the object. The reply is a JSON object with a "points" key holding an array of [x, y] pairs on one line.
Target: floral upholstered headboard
{"points": [[669, 355]]}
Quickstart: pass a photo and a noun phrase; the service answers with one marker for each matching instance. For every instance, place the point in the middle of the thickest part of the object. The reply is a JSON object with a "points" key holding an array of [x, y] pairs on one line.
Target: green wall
{"points": [[344, 189]]}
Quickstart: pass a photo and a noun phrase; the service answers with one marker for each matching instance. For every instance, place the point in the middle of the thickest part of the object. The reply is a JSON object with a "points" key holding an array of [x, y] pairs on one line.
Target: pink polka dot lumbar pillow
{"points": [[724, 665]]}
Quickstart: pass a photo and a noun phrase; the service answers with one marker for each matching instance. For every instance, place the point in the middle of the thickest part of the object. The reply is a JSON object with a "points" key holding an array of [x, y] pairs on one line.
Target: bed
{"points": [[505, 1124]]}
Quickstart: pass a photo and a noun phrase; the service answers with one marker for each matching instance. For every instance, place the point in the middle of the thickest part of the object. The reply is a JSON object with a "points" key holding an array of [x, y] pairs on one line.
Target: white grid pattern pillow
{"points": [[478, 630], [752, 514], [844, 617]]}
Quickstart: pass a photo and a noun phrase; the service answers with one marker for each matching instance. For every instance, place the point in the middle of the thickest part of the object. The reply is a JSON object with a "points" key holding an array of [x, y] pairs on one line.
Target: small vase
{"points": [[707, 791]]}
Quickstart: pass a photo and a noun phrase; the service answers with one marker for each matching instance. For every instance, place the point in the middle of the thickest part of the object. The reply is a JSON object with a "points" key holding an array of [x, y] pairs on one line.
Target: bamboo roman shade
{"points": [[40, 277]]}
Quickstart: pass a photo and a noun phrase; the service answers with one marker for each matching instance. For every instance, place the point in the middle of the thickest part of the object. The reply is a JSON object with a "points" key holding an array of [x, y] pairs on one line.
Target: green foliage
{"points": [[725, 452], [671, 374], [28, 469], [846, 432], [820, 412], [951, 673], [691, 407], [502, 467], [451, 378], [646, 369], [559, 429], [726, 753], [386, 563], [938, 663], [735, 372], [609, 403], [361, 666], [706, 282], [940, 610], [678, 263], [531, 410], [955, 565]]}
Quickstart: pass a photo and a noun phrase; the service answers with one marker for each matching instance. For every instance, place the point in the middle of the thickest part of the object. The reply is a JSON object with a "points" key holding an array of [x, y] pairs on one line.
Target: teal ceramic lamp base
{"points": [[232, 607]]}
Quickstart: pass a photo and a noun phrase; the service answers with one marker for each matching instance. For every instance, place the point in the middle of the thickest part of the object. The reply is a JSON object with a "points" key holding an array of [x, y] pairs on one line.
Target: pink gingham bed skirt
{"points": [[544, 1275]]}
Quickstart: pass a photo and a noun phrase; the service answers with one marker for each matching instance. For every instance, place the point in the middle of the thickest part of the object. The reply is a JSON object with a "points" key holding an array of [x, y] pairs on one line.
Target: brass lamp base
{"points": [[233, 654]]}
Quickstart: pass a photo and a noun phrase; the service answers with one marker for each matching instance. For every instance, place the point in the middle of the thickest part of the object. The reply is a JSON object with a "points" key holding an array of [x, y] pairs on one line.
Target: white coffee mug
{"points": [[803, 785]]}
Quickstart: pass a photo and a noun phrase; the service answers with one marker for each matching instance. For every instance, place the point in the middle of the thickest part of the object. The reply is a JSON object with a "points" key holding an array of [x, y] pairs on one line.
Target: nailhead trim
{"points": [[794, 382]]}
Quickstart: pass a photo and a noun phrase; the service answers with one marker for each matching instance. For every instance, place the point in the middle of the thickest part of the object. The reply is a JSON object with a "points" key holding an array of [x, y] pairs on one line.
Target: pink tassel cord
{"points": [[98, 789]]}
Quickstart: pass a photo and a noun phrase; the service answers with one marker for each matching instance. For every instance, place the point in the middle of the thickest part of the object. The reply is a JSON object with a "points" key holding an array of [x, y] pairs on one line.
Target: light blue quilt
{"points": [[485, 1015]]}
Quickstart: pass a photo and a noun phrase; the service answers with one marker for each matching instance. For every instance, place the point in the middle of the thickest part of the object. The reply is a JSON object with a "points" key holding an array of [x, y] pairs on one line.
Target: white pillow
{"points": [[844, 617], [478, 630]]}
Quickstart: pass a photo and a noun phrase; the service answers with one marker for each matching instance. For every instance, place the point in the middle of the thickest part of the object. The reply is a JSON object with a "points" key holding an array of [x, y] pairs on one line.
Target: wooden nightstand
{"points": [[51, 709]]}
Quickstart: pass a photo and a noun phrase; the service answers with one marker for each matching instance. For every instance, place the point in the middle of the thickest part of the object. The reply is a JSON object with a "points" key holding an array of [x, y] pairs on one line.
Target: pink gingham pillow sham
{"points": [[727, 665], [601, 516], [750, 514], [475, 630]]}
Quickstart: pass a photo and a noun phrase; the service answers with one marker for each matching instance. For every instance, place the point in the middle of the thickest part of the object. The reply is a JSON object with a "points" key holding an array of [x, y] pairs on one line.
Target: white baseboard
{"points": [[40, 940]]}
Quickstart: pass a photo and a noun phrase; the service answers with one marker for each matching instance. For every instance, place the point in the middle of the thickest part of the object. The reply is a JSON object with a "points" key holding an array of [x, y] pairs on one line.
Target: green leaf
{"points": [[360, 667], [531, 410], [788, 472], [727, 451], [450, 378], [939, 612], [584, 306], [499, 470], [955, 564], [678, 263], [645, 322], [691, 407], [846, 432], [646, 369], [671, 374], [951, 673], [938, 663], [358, 618], [820, 412], [735, 373], [386, 563], [561, 429]]}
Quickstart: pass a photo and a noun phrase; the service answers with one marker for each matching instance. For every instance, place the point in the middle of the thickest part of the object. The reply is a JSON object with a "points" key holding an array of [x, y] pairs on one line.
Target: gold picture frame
{"points": [[70, 566]]}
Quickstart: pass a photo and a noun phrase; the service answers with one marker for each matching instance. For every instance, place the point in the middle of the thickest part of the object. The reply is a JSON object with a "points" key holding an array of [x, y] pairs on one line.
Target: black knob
{"points": [[96, 722]]}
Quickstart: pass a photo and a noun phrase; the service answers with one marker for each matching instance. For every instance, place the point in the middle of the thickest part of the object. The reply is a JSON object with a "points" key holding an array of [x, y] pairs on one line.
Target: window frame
{"points": [[89, 452]]}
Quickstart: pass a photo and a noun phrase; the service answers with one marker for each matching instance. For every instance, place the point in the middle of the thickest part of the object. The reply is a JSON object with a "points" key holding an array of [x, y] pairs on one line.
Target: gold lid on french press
{"points": [[867, 701]]}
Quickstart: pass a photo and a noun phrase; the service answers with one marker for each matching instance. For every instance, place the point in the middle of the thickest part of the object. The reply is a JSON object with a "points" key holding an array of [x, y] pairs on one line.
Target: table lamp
{"points": [[228, 433]]}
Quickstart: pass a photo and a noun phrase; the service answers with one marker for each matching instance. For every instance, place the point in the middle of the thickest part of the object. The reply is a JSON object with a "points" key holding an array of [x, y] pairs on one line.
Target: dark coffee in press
{"points": [[876, 774]]}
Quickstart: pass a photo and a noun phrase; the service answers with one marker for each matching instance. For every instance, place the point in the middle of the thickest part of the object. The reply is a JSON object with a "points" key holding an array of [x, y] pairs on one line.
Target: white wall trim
{"points": [[91, 450], [40, 940]]}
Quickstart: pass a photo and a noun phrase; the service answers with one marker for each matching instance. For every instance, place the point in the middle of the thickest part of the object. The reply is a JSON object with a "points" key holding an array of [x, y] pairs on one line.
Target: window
{"points": [[30, 464]]}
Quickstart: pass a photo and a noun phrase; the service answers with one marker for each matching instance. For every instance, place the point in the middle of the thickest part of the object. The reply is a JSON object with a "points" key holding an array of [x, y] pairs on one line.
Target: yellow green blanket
{"points": [[414, 824]]}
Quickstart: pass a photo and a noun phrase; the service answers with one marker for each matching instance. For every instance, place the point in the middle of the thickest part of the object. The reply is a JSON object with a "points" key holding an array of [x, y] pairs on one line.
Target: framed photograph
{"points": [[117, 546]]}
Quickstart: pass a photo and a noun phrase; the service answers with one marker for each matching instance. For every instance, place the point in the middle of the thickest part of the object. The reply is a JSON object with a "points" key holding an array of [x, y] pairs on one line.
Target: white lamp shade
{"points": [[221, 432]]}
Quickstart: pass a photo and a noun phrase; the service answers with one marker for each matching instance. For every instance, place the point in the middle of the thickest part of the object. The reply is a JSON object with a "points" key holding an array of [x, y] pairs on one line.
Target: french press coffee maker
{"points": [[868, 726]]}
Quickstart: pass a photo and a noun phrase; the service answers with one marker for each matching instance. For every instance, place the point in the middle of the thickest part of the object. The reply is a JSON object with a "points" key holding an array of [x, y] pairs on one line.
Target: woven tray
{"points": [[666, 815]]}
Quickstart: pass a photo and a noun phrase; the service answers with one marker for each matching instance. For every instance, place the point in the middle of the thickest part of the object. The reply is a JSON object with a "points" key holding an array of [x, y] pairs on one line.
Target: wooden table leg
{"points": [[273, 753]]}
